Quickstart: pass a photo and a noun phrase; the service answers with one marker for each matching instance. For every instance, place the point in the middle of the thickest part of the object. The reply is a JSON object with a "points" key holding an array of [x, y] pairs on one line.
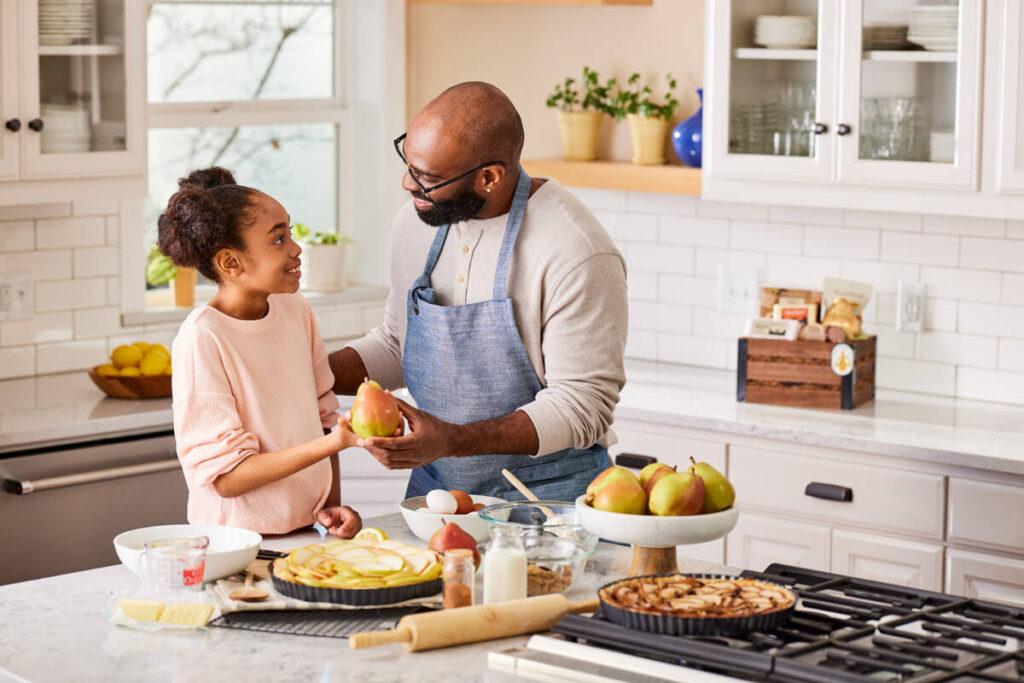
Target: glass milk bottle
{"points": [[504, 567]]}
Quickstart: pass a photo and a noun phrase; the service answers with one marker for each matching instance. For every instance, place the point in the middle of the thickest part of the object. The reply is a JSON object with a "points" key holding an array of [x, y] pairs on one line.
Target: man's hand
{"points": [[341, 521], [428, 439], [346, 438]]}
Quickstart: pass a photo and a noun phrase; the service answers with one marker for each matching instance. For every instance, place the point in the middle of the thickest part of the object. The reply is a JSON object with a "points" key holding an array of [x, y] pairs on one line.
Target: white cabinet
{"points": [[758, 541], [986, 577], [367, 486], [892, 560], [986, 514], [1010, 142], [72, 96]]}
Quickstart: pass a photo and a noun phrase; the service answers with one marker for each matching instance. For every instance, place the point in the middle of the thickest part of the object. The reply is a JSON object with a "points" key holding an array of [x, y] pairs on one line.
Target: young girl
{"points": [[253, 403]]}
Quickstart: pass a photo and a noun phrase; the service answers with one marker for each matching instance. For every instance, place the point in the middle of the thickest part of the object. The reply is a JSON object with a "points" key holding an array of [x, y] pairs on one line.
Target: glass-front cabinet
{"points": [[1010, 146], [861, 91]]}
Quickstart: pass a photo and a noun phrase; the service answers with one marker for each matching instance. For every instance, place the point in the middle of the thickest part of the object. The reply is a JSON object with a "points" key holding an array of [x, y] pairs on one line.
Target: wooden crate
{"points": [[799, 373]]}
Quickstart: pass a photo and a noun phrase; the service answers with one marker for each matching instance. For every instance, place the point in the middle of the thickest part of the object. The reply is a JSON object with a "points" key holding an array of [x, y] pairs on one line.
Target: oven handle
{"points": [[23, 488]]}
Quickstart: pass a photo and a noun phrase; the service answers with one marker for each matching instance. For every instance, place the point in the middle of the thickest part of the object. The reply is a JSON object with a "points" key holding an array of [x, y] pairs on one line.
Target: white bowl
{"points": [[423, 523], [230, 551], [652, 531]]}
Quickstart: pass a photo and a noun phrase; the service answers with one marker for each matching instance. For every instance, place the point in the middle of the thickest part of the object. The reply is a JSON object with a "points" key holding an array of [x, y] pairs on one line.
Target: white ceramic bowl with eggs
{"points": [[230, 551], [423, 523]]}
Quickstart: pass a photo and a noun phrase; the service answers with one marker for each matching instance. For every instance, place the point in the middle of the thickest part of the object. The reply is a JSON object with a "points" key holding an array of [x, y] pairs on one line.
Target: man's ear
{"points": [[490, 178], [228, 263]]}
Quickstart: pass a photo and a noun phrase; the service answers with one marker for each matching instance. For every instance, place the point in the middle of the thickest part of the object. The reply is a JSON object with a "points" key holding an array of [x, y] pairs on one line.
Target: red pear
{"points": [[374, 412], [451, 536], [655, 476]]}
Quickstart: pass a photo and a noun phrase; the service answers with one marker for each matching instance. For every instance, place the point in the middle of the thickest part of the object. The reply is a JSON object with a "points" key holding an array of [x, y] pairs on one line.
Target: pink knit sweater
{"points": [[252, 386]]}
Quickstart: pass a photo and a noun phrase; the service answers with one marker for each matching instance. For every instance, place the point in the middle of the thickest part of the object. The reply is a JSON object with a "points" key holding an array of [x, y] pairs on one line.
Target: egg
{"points": [[441, 502]]}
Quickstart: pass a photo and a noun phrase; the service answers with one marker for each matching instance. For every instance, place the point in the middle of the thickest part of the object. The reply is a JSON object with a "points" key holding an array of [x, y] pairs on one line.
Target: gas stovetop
{"points": [[843, 629]]}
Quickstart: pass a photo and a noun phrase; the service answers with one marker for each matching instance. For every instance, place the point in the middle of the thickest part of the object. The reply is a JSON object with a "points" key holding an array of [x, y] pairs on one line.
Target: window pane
{"points": [[295, 164], [240, 51]]}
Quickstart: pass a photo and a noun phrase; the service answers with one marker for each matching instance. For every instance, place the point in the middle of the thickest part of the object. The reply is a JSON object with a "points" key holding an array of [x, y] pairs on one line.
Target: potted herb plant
{"points": [[160, 270], [648, 118], [323, 258], [579, 118]]}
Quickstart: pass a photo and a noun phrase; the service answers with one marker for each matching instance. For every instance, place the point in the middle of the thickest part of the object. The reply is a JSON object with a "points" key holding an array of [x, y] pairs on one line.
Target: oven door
{"points": [[61, 506]]}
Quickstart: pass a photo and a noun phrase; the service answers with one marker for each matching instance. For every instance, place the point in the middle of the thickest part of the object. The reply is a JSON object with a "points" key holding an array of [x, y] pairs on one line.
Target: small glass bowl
{"points": [[556, 553]]}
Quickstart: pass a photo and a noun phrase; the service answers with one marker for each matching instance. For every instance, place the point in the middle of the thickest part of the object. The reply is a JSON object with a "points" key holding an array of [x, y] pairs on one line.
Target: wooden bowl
{"points": [[158, 386]]}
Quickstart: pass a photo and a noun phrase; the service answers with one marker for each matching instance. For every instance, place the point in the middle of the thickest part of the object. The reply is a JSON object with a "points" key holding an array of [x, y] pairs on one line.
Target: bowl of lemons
{"points": [[139, 370]]}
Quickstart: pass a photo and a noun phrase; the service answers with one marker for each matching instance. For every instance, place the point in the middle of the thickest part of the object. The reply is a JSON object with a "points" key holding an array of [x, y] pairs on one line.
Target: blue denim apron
{"points": [[467, 363]]}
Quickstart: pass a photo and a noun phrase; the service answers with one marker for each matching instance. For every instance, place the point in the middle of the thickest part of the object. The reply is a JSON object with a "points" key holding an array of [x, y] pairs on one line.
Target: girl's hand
{"points": [[341, 521], [344, 436]]}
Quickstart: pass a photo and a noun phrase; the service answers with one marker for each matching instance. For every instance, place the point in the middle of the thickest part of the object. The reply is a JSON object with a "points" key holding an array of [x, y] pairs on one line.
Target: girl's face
{"points": [[270, 262]]}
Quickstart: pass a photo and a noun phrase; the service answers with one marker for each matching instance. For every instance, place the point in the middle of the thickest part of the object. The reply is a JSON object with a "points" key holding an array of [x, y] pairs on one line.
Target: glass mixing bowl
{"points": [[557, 546]]}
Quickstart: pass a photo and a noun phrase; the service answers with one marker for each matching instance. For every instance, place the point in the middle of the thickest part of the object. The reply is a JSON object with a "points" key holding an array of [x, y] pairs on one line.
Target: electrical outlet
{"points": [[15, 296], [738, 289], [909, 306]]}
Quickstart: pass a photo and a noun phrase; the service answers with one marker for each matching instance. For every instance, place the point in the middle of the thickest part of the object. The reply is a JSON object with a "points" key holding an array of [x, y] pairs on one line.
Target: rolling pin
{"points": [[431, 630]]}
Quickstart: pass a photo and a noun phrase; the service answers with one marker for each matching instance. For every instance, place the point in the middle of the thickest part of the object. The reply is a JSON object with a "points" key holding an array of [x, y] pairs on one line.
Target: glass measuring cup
{"points": [[174, 563]]}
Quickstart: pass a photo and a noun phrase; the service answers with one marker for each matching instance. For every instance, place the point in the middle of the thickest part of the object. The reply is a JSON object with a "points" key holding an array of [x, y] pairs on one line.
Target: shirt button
{"points": [[461, 279], [465, 248]]}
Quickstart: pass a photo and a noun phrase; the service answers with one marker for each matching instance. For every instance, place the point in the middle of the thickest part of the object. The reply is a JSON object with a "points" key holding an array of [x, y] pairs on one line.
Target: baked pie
{"points": [[690, 596]]}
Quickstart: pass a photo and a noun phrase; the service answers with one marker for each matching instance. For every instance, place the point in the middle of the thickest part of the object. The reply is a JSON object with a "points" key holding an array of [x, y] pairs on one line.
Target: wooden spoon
{"points": [[249, 593], [528, 494]]}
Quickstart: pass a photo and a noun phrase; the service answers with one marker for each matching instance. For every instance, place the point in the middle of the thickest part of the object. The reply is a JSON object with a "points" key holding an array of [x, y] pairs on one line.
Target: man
{"points": [[506, 318]]}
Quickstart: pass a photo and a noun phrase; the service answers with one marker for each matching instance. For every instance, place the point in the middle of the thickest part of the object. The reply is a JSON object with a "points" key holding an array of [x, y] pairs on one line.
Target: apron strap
{"points": [[515, 219]]}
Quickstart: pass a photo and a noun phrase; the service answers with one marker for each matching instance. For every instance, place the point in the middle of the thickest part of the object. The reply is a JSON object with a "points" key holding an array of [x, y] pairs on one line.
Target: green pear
{"points": [[662, 471], [374, 412], [718, 492], [648, 470], [679, 493], [621, 496], [612, 474]]}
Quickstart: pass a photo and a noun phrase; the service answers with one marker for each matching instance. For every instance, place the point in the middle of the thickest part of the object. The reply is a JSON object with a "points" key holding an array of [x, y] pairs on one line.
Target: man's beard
{"points": [[460, 207]]}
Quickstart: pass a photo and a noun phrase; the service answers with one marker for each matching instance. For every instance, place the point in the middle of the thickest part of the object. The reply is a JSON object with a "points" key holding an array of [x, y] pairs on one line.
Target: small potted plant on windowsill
{"points": [[182, 281], [579, 120], [648, 119], [323, 256]]}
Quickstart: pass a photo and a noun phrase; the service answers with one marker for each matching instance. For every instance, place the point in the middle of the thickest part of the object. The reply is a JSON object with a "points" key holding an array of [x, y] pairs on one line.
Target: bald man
{"points": [[506, 318]]}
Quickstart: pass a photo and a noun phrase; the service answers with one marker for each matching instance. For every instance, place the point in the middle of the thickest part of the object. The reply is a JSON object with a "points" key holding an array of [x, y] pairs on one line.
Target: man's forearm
{"points": [[349, 370], [512, 434]]}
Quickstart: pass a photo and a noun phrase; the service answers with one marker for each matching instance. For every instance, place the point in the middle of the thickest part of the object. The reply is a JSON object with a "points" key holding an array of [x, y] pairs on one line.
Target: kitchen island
{"points": [[56, 629]]}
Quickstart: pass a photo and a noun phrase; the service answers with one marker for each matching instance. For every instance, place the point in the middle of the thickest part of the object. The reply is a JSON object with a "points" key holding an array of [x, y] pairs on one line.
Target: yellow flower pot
{"points": [[649, 135], [579, 134], [183, 287]]}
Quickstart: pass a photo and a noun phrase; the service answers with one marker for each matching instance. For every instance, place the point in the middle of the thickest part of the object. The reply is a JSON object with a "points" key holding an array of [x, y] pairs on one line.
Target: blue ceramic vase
{"points": [[686, 136]]}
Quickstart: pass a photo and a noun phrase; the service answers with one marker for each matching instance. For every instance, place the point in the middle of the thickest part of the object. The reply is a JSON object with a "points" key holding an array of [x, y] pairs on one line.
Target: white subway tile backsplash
{"points": [[43, 265], [805, 214], [114, 291], [1015, 230], [957, 349], [940, 314], [93, 261], [642, 344], [601, 199], [113, 224], [651, 202], [992, 319], [76, 355], [710, 322], [961, 283], [883, 220], [697, 232], [1011, 355], [882, 276], [995, 254], [684, 289], [737, 210], [910, 375], [965, 225], [642, 286], [709, 260], [659, 258], [17, 236], [850, 243], [1013, 289], [43, 327], [91, 323], [34, 211], [770, 237], [657, 317], [885, 310], [17, 361], [939, 250], [97, 207], [892, 342], [66, 295], [61, 233], [708, 351], [799, 271], [990, 385], [637, 227]]}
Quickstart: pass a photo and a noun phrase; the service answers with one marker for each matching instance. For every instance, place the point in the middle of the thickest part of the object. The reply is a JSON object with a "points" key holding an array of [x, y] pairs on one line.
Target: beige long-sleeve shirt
{"points": [[567, 282]]}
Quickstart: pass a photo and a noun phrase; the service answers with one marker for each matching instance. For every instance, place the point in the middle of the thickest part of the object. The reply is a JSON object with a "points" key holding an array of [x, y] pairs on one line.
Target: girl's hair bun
{"points": [[208, 178]]}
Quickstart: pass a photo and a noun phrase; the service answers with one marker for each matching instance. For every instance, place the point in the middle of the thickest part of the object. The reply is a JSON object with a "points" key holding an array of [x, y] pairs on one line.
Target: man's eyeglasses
{"points": [[427, 190]]}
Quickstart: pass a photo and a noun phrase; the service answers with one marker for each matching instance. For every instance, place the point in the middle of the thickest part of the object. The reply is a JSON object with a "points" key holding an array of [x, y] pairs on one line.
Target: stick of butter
{"points": [[141, 610], [186, 614]]}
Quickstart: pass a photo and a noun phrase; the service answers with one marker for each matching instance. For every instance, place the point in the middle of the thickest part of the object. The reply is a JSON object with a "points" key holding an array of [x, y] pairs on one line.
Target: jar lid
{"points": [[458, 553]]}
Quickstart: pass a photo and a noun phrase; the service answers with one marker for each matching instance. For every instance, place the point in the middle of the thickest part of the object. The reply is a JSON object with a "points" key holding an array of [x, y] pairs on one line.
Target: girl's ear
{"points": [[228, 263]]}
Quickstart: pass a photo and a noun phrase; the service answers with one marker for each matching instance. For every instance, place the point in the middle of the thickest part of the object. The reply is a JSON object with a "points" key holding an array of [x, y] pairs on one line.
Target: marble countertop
{"points": [[56, 629], [58, 408]]}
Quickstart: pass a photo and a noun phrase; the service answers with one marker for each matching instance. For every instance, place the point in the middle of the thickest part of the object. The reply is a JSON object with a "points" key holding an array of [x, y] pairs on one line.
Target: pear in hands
{"points": [[374, 412]]}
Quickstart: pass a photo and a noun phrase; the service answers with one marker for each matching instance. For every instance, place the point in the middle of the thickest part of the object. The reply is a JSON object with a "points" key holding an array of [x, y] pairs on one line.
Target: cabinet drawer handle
{"points": [[820, 128], [634, 460], [13, 125], [22, 488], [841, 494], [843, 129]]}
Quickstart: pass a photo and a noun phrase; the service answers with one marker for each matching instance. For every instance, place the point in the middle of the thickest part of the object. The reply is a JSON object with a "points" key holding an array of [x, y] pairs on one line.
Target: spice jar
{"points": [[458, 574]]}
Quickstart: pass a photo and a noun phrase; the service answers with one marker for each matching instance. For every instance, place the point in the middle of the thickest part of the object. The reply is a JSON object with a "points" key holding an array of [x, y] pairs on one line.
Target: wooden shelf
{"points": [[80, 50], [618, 175], [530, 2], [807, 55]]}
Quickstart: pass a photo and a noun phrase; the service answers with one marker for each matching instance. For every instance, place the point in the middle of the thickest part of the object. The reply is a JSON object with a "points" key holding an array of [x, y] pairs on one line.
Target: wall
{"points": [[72, 251], [973, 269], [525, 50]]}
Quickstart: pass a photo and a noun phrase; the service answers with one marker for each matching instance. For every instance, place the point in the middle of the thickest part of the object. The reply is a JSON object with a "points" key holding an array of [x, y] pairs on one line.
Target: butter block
{"points": [[185, 614], [141, 610]]}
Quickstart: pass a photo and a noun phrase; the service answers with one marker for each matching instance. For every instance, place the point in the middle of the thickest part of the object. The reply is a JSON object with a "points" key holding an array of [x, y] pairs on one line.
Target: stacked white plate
{"points": [[885, 37], [65, 22], [67, 129], [786, 32], [934, 27]]}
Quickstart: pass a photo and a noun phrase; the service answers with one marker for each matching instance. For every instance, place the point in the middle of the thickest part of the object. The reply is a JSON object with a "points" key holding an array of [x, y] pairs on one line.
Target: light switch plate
{"points": [[738, 289], [15, 296], [909, 306]]}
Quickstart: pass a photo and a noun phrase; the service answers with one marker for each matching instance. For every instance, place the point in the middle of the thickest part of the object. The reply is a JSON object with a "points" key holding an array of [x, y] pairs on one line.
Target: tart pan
{"points": [[672, 625], [358, 597]]}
